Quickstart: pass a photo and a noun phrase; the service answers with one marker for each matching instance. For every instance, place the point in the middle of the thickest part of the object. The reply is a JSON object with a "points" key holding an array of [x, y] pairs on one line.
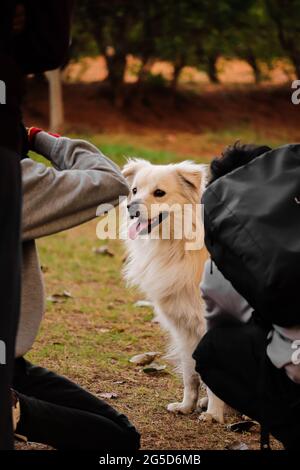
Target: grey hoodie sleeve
{"points": [[68, 193], [221, 298]]}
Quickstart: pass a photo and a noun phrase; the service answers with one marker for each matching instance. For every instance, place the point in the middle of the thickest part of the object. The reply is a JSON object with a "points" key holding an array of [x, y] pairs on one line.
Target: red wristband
{"points": [[54, 135], [33, 131]]}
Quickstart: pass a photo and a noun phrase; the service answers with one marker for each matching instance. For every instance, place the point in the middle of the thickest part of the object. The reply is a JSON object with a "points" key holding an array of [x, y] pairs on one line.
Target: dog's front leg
{"points": [[215, 409], [191, 382]]}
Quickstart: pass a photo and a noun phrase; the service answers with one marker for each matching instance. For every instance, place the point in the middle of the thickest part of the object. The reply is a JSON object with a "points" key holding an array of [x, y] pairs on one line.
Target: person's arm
{"points": [[221, 298], [55, 199]]}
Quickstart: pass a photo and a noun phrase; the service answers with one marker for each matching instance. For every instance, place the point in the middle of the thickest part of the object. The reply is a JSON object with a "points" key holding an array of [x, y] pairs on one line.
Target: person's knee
{"points": [[133, 439]]}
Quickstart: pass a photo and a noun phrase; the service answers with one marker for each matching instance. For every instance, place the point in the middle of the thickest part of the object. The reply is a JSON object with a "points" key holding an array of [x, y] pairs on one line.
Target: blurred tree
{"points": [[83, 42], [56, 105], [214, 20], [185, 32], [286, 17], [175, 41], [105, 27], [144, 34], [197, 32], [252, 37]]}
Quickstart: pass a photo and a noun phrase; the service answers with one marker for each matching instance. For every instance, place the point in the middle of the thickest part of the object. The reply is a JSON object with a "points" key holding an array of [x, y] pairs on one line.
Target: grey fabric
{"points": [[220, 297], [57, 198], [282, 347]]}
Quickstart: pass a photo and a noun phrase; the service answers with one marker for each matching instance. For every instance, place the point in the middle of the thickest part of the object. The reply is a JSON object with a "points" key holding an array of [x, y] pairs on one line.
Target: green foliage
{"points": [[285, 15], [186, 32], [83, 41]]}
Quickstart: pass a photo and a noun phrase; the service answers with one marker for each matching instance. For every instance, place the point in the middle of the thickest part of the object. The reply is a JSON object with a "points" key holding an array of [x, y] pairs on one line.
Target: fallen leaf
{"points": [[143, 303], [119, 301], [144, 359], [108, 395], [103, 250], [59, 298], [237, 445], [246, 418], [154, 368], [241, 426], [66, 293]]}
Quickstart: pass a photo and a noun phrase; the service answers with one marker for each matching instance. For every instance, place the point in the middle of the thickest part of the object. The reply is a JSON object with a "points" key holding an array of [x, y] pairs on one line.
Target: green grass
{"points": [[120, 151], [199, 147]]}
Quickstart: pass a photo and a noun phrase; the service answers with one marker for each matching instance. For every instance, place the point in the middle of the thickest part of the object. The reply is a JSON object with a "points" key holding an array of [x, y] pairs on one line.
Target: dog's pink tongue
{"points": [[136, 228]]}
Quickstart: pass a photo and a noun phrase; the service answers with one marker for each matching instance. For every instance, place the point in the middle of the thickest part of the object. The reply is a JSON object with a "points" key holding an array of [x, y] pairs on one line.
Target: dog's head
{"points": [[158, 194]]}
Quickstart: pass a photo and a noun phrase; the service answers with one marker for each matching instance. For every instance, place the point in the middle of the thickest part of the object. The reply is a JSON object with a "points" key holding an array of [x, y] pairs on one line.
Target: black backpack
{"points": [[252, 231]]}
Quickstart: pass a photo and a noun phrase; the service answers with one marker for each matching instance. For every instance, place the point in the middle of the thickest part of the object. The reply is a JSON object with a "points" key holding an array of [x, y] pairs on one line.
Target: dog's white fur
{"points": [[169, 274]]}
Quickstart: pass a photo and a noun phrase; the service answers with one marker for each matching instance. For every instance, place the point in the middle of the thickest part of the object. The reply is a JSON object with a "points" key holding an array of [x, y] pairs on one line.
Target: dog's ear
{"points": [[132, 166], [191, 176]]}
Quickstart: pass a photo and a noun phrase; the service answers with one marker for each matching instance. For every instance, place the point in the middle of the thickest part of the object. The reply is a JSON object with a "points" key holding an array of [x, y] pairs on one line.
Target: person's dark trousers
{"points": [[59, 413], [232, 361], [10, 205]]}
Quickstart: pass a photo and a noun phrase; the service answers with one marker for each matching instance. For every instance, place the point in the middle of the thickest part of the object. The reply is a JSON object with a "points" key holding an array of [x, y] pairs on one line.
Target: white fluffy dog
{"points": [[166, 255]]}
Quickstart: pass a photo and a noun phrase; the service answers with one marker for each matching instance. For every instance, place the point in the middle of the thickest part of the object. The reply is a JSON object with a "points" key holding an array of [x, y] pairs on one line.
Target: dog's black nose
{"points": [[133, 209]]}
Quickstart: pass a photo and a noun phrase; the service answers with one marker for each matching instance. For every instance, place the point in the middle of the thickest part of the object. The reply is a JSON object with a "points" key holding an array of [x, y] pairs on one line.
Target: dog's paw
{"points": [[202, 403], [206, 418], [211, 418], [179, 408]]}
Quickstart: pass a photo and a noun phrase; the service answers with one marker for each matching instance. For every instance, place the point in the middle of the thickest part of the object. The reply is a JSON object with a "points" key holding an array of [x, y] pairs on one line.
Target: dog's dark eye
{"points": [[159, 193], [134, 191]]}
